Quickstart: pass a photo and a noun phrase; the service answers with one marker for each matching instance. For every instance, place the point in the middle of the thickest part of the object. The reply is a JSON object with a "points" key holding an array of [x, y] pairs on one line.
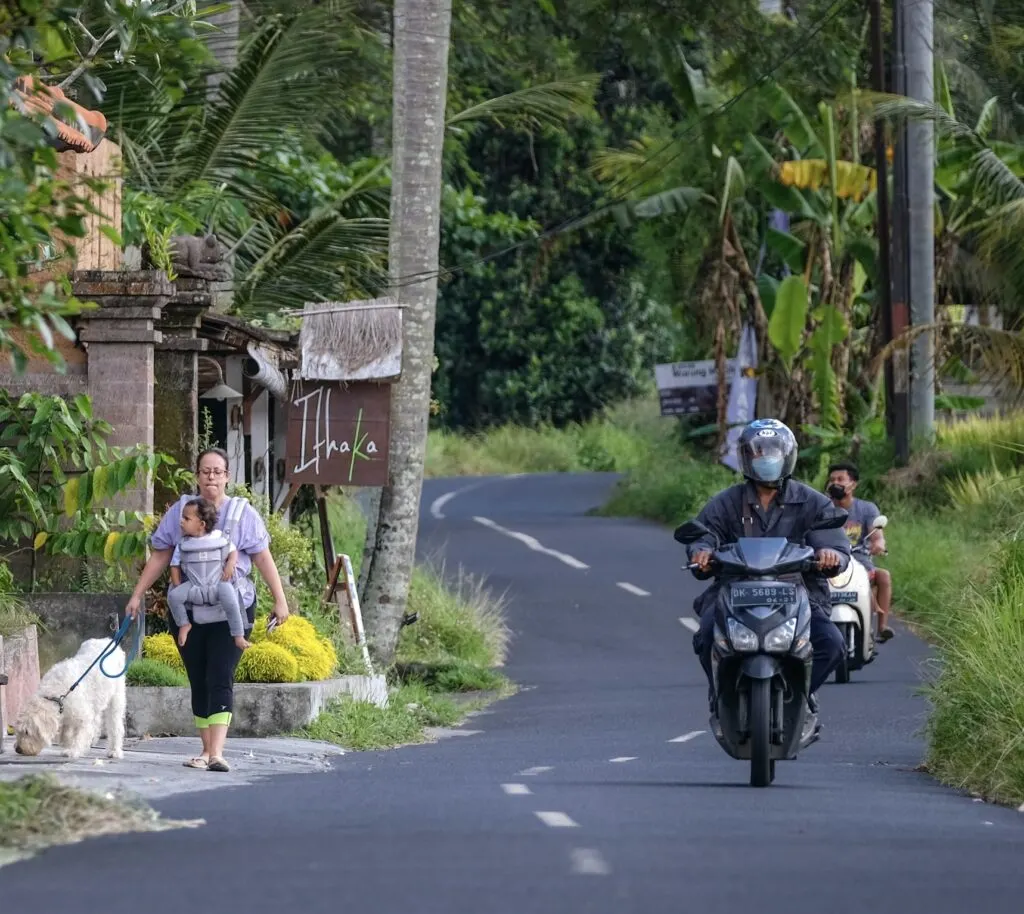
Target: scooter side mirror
{"points": [[690, 532], [880, 522], [832, 519]]}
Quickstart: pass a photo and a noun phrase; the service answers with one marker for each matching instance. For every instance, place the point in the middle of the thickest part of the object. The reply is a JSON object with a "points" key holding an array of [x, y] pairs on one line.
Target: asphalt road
{"points": [[596, 788]]}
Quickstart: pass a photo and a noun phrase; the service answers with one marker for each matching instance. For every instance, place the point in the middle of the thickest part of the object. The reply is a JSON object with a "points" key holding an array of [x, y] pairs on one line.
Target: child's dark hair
{"points": [[206, 511]]}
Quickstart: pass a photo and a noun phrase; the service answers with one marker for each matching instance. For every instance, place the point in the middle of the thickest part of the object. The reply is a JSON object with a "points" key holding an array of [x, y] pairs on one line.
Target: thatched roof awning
{"points": [[351, 341]]}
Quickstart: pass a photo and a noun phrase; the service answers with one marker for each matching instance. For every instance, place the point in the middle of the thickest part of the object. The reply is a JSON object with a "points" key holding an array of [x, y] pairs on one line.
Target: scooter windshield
{"points": [[764, 554]]}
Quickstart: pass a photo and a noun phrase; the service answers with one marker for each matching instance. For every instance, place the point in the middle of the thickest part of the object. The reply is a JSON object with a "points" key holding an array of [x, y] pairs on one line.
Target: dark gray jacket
{"points": [[791, 514]]}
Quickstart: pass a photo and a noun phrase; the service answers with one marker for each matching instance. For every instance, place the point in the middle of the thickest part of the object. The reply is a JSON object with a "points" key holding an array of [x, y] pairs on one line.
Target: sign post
{"points": [[689, 388]]}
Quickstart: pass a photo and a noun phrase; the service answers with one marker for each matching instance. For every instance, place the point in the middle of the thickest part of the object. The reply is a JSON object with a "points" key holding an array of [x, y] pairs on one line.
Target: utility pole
{"points": [[918, 35], [898, 396], [884, 290]]}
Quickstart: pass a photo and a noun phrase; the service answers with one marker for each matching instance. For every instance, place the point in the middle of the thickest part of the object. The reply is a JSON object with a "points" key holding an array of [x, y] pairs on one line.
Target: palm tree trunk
{"points": [[223, 43], [421, 41]]}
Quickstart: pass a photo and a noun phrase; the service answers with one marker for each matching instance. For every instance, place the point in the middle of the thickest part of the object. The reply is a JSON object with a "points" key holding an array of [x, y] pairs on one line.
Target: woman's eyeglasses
{"points": [[216, 473]]}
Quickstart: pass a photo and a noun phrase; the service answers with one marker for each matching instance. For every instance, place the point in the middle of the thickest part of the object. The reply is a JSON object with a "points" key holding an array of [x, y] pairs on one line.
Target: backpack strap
{"points": [[749, 527], [236, 506]]}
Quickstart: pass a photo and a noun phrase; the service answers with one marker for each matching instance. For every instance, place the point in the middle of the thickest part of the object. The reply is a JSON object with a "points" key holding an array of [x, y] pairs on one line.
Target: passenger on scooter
{"points": [[842, 483], [770, 503]]}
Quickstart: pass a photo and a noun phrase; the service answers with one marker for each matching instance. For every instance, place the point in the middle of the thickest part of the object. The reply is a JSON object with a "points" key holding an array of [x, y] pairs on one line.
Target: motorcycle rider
{"points": [[771, 503], [842, 483]]}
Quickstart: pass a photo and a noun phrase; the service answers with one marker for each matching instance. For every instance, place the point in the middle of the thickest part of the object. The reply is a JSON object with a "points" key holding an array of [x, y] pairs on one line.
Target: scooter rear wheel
{"points": [[761, 733]]}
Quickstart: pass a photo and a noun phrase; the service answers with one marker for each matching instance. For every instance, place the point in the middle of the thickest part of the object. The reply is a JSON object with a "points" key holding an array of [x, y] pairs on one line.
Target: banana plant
{"points": [[830, 247]]}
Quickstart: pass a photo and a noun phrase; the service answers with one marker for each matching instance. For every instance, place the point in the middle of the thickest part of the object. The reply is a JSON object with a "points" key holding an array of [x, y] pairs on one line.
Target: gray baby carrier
{"points": [[202, 564]]}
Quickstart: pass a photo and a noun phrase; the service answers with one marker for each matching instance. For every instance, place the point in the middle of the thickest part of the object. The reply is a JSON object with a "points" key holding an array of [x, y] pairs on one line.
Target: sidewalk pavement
{"points": [[152, 768]]}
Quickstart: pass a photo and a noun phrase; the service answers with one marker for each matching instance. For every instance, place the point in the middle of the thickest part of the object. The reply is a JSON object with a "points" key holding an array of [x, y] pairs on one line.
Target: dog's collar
{"points": [[59, 702]]}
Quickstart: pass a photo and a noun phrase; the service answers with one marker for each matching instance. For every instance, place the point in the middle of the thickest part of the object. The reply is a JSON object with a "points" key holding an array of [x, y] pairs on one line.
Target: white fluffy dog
{"points": [[97, 704]]}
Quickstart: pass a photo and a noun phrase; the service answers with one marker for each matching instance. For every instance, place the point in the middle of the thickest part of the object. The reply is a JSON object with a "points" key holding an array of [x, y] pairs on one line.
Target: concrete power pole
{"points": [[918, 32]]}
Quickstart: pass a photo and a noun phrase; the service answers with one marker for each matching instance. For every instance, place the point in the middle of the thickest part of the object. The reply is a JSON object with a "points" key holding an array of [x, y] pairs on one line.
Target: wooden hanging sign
{"points": [[338, 433]]}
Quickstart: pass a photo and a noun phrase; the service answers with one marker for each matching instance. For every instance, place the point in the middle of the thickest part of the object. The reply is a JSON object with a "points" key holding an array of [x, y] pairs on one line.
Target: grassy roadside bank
{"points": [[451, 653], [956, 554]]}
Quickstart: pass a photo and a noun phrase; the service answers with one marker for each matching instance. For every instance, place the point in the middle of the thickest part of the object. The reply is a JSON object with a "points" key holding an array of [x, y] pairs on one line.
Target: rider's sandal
{"points": [[217, 764], [197, 762], [885, 634]]}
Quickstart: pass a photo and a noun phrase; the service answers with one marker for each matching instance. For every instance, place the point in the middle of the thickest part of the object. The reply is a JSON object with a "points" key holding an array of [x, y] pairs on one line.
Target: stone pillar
{"points": [[120, 338], [176, 398]]}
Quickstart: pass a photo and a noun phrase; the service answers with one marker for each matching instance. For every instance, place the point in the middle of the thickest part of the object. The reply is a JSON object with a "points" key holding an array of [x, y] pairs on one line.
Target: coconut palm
{"points": [[221, 161]]}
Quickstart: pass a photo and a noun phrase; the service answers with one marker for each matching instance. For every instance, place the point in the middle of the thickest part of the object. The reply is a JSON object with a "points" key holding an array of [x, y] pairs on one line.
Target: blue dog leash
{"points": [[105, 655]]}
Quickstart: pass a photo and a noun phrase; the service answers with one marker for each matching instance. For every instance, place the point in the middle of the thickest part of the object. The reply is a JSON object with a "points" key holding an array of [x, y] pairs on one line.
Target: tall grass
{"points": [[618, 440], [976, 730]]}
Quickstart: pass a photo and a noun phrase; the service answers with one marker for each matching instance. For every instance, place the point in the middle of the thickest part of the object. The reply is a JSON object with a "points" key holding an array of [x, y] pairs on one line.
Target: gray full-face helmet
{"points": [[767, 452]]}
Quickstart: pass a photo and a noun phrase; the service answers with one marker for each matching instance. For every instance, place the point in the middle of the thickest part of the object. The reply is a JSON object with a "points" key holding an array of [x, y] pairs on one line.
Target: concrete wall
{"points": [[261, 709], [71, 618]]}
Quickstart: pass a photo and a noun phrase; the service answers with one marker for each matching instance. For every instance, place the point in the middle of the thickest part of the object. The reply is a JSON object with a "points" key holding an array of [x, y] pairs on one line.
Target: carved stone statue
{"points": [[195, 257]]}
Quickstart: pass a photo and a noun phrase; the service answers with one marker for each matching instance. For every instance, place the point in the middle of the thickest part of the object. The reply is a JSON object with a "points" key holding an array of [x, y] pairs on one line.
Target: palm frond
{"points": [[897, 107], [641, 168], [549, 104], [987, 118], [994, 181], [327, 256], [280, 85], [338, 248], [995, 356]]}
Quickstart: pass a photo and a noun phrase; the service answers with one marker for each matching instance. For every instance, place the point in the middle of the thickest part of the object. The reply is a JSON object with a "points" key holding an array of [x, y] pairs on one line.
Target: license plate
{"points": [[844, 596], [749, 595]]}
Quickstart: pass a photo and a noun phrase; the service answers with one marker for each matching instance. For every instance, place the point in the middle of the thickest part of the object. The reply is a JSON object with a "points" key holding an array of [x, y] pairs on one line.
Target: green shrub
{"points": [[459, 620], [148, 672], [267, 662], [161, 648], [315, 655]]}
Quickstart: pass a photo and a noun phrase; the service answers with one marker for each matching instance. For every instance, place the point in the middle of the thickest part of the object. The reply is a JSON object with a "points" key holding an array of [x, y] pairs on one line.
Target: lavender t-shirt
{"points": [[250, 537]]}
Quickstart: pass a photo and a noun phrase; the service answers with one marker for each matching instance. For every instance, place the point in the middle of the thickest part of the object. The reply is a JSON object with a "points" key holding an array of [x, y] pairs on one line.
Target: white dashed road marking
{"points": [[532, 543], [556, 820], [633, 589], [623, 758], [516, 790], [588, 862], [530, 772], [686, 737], [692, 624]]}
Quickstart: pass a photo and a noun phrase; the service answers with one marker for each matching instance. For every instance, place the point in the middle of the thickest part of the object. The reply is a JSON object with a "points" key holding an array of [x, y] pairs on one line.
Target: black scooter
{"points": [[762, 655]]}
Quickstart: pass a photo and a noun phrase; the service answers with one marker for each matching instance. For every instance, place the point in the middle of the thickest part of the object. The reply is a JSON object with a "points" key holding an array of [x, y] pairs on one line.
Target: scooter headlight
{"points": [[780, 638], [742, 638]]}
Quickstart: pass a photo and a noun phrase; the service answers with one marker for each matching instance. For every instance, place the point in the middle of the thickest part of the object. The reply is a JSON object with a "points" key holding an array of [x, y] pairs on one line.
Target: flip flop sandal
{"points": [[886, 634], [197, 762], [217, 764]]}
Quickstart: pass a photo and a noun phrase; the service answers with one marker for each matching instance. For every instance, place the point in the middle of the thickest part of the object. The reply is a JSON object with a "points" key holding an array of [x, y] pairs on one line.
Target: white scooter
{"points": [[852, 610]]}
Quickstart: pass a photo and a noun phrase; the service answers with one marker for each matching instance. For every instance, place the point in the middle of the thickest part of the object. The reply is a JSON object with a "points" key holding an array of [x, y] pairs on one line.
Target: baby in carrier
{"points": [[201, 570]]}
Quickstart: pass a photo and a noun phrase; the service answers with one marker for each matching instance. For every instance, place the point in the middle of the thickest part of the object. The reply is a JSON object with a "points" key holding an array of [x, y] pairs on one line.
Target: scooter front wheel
{"points": [[761, 773]]}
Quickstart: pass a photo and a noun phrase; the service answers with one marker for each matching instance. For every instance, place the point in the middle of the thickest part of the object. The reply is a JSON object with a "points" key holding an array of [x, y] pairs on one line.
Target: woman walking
{"points": [[210, 654]]}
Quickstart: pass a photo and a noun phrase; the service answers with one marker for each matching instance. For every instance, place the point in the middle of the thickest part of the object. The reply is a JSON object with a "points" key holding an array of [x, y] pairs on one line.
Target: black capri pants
{"points": [[211, 656]]}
